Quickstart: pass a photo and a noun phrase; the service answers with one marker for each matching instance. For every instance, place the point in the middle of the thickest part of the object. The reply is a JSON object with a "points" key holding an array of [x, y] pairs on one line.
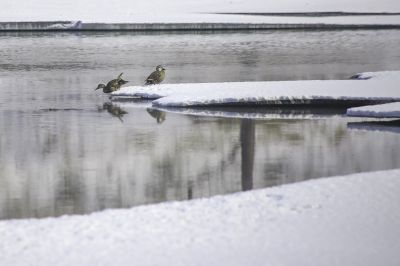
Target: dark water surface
{"points": [[66, 149]]}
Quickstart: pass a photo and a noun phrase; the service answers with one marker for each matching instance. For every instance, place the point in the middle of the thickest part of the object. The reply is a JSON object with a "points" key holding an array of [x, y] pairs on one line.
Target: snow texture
{"points": [[381, 75], [192, 11], [382, 88], [74, 25], [380, 110], [348, 220]]}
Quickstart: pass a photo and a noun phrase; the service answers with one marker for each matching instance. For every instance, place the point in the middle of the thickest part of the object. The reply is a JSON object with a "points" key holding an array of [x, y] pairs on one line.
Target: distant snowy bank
{"points": [[348, 220], [161, 15], [147, 11], [380, 87]]}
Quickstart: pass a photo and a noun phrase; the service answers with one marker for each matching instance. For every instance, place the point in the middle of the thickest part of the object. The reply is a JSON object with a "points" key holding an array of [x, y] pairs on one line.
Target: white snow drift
{"points": [[192, 11], [349, 220], [382, 88]]}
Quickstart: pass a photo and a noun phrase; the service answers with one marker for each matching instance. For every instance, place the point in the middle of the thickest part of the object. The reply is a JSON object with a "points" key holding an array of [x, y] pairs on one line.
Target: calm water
{"points": [[66, 149]]}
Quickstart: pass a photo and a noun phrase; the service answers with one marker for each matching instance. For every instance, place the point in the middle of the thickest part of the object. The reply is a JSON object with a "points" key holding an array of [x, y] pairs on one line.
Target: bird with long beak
{"points": [[157, 76], [112, 85]]}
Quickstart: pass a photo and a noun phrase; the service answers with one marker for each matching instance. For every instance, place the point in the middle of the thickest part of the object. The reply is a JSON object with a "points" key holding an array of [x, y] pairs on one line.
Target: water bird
{"points": [[112, 85], [157, 76]]}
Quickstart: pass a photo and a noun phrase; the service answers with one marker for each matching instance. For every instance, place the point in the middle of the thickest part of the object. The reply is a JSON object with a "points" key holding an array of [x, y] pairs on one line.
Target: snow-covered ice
{"points": [[74, 25], [348, 220], [191, 11], [380, 110], [382, 88], [380, 75]]}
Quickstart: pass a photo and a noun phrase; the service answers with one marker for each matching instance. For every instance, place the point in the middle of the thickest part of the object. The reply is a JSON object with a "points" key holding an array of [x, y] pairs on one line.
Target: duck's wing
{"points": [[122, 82], [119, 76], [112, 83]]}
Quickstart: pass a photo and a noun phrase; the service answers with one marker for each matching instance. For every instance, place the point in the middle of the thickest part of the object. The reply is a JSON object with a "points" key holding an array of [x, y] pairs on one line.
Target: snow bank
{"points": [[382, 88], [380, 110], [349, 220], [190, 11], [381, 75], [168, 18]]}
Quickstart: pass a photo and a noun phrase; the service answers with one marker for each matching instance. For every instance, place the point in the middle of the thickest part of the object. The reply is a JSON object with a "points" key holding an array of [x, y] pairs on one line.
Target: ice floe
{"points": [[380, 88]]}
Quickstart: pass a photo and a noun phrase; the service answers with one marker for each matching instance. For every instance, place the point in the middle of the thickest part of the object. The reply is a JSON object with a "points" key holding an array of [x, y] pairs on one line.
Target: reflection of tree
{"points": [[157, 114], [114, 110], [247, 147], [247, 141]]}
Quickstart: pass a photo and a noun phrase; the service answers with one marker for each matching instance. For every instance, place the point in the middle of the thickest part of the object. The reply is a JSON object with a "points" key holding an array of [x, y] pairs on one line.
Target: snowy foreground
{"points": [[347, 220], [381, 86], [192, 11]]}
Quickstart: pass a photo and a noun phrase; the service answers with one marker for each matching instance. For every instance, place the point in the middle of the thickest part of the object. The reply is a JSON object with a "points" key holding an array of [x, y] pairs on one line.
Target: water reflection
{"points": [[64, 150], [69, 164], [160, 116], [387, 126], [114, 110], [263, 112], [247, 143]]}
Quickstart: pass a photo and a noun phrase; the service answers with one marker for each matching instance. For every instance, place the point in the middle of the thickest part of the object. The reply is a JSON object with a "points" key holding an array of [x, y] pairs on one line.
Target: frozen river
{"points": [[66, 149]]}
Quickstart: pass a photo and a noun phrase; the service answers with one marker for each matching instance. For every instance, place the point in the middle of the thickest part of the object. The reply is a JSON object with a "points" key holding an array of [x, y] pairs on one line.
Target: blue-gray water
{"points": [[65, 149]]}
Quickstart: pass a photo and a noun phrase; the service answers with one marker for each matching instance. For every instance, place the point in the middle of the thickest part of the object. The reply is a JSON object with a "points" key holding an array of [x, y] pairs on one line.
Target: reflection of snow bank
{"points": [[349, 220], [387, 126], [262, 113], [381, 110], [269, 93]]}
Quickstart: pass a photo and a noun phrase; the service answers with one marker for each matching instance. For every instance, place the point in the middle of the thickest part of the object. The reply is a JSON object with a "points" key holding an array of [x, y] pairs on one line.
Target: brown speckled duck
{"points": [[112, 85], [157, 76]]}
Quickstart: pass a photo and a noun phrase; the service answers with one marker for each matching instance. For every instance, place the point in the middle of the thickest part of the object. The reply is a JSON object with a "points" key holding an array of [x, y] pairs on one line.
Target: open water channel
{"points": [[66, 149]]}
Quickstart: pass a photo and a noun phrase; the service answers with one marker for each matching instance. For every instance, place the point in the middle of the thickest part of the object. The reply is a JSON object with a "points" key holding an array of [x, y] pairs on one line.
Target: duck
{"points": [[112, 85], [157, 76]]}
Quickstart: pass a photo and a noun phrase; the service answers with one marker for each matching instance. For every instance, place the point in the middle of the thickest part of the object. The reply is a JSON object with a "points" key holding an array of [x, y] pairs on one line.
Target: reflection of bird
{"points": [[112, 85], [157, 76], [114, 110], [157, 114]]}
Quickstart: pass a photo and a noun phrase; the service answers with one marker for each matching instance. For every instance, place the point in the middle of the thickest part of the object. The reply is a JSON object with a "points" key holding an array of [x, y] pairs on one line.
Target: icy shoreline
{"points": [[194, 15], [235, 23], [347, 220]]}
